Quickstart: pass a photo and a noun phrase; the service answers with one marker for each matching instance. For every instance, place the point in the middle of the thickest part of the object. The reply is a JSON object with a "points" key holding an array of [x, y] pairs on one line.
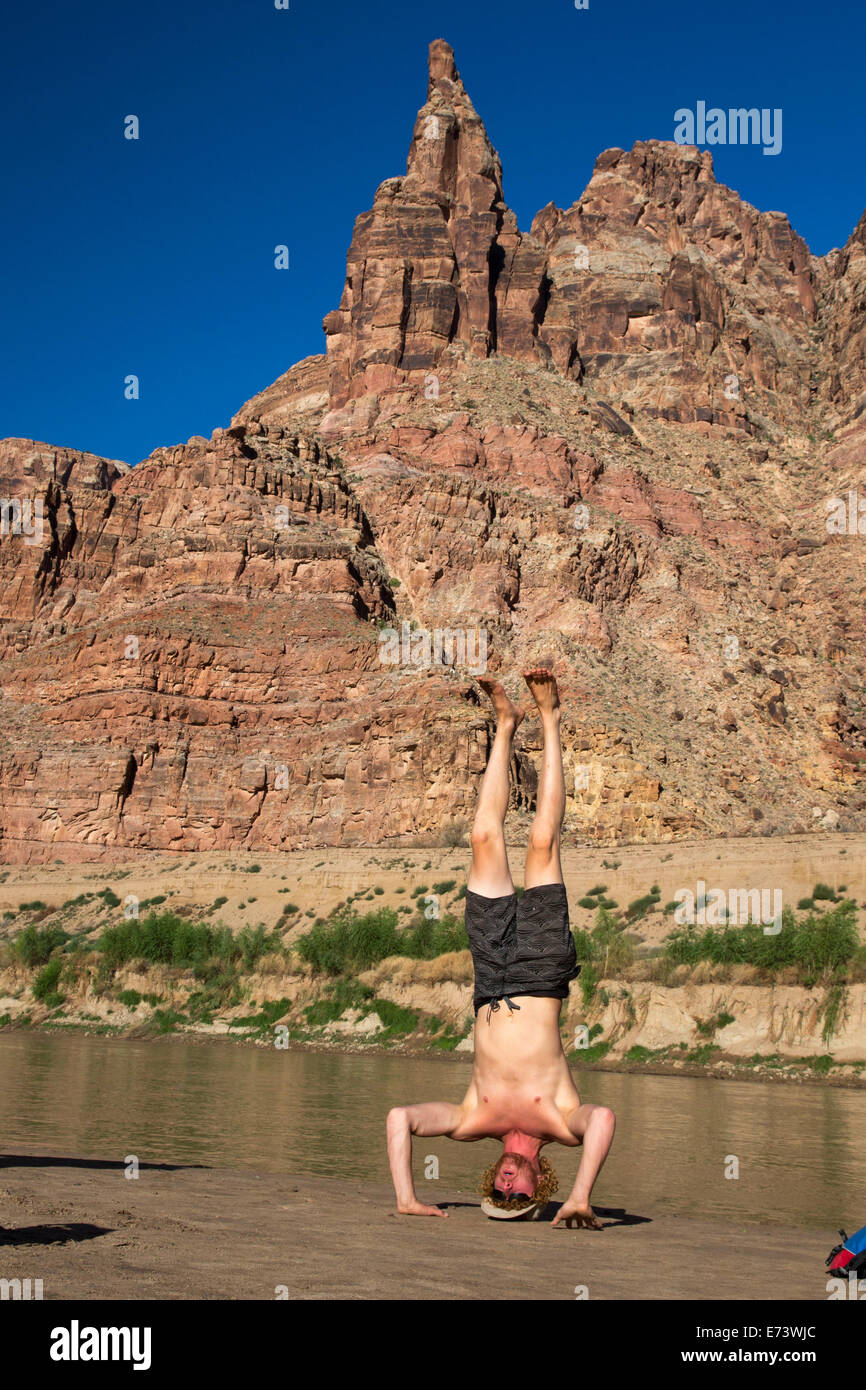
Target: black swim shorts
{"points": [[521, 945]]}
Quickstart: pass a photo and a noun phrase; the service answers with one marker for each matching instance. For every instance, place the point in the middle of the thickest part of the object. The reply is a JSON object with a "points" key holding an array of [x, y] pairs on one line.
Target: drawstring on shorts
{"points": [[494, 1006]]}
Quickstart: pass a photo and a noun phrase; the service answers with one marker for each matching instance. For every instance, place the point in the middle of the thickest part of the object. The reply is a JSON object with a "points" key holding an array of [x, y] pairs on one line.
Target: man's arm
{"points": [[594, 1125], [437, 1117]]}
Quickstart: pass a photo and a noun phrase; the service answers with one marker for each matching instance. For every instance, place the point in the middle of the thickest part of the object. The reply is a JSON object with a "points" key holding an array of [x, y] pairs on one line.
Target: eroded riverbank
{"points": [[75, 956]]}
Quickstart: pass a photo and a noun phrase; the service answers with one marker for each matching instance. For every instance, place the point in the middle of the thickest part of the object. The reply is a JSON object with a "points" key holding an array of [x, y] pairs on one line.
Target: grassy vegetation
{"points": [[821, 946], [348, 942], [641, 906], [45, 984], [170, 940], [34, 945], [206, 964], [606, 945]]}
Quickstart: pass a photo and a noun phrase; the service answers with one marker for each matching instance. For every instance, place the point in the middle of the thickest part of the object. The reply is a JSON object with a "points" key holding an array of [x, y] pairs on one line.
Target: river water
{"points": [[800, 1151]]}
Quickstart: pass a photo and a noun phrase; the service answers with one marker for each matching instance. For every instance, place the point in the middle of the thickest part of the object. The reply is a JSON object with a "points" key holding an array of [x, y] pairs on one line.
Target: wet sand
{"points": [[206, 1233]]}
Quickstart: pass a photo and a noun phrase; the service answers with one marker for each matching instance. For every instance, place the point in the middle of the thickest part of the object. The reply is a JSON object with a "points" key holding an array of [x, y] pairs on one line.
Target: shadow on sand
{"points": [[60, 1161], [609, 1216], [58, 1234]]}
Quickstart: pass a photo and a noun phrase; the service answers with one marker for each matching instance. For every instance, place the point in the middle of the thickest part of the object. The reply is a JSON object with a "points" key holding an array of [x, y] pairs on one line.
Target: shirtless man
{"points": [[521, 1091]]}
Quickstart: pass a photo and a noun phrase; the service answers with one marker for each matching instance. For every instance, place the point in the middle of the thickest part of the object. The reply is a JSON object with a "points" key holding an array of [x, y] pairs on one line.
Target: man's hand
{"points": [[577, 1214], [416, 1208]]}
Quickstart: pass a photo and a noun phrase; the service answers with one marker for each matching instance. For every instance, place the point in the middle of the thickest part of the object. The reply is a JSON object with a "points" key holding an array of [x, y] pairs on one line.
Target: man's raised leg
{"points": [[542, 856], [490, 875]]}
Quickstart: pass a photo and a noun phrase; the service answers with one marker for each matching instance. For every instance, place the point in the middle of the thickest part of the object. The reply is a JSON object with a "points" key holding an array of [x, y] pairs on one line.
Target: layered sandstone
{"points": [[609, 442]]}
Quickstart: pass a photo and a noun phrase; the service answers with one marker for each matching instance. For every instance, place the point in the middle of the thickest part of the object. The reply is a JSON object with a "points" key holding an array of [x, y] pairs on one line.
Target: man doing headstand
{"points": [[521, 1091]]}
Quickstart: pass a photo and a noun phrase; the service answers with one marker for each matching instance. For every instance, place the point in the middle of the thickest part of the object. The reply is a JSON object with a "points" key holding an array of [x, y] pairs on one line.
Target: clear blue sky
{"points": [[262, 126]]}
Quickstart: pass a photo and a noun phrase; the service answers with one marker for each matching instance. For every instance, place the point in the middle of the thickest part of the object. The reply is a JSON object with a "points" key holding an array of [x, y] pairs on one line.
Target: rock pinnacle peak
{"points": [[441, 63]]}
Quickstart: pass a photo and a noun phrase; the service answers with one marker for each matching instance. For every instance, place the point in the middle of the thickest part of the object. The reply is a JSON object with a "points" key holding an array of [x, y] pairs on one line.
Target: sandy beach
{"points": [[205, 1233]]}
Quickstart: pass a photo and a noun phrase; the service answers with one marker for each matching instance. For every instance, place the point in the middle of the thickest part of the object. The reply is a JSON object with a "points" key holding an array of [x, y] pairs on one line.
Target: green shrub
{"points": [[265, 1019], [821, 1064], [167, 1020], [818, 946], [348, 943], [170, 940], [130, 997], [640, 907], [583, 945], [831, 1011], [395, 1019], [322, 1011], [702, 1054], [34, 946], [45, 984], [429, 939], [588, 980], [594, 1053]]}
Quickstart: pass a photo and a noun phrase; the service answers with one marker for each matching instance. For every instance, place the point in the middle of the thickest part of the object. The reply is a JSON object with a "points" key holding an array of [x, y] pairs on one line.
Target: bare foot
{"points": [[506, 711], [542, 684]]}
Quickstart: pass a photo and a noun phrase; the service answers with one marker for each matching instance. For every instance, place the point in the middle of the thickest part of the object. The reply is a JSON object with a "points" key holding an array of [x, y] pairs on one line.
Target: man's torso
{"points": [[521, 1078]]}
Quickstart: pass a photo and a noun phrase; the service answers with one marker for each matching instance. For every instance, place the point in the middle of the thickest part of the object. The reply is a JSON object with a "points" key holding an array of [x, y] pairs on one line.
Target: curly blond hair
{"points": [[547, 1184]]}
